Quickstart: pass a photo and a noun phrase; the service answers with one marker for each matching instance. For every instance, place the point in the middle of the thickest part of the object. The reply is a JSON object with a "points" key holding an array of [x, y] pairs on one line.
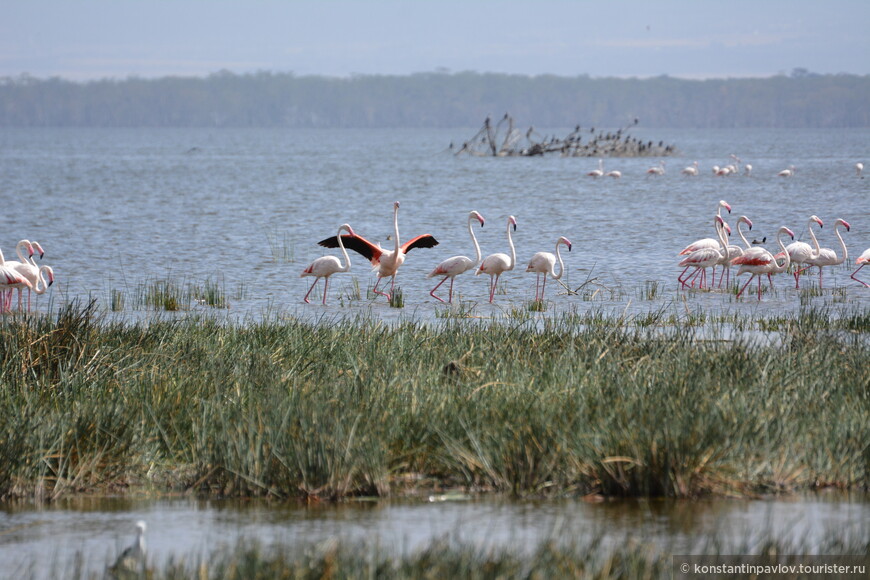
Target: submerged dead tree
{"points": [[504, 140]]}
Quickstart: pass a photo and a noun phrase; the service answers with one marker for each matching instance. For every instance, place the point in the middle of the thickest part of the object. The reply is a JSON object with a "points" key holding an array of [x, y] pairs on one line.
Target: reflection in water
{"points": [[100, 528]]}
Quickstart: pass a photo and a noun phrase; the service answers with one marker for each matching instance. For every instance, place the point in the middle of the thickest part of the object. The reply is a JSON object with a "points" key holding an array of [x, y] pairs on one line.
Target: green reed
{"points": [[577, 403]]}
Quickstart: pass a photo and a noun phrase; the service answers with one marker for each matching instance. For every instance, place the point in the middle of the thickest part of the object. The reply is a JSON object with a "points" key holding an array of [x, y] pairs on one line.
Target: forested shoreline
{"points": [[436, 99]]}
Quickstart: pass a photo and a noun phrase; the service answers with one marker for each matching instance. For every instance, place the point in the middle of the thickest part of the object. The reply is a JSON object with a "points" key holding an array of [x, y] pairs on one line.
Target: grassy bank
{"points": [[577, 404]]}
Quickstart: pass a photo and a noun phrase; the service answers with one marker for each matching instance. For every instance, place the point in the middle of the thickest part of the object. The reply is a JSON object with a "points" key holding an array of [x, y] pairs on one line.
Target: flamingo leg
{"points": [[432, 293], [866, 285], [325, 288], [493, 282], [316, 280], [450, 293], [759, 287], [820, 277], [375, 289], [543, 287], [745, 285]]}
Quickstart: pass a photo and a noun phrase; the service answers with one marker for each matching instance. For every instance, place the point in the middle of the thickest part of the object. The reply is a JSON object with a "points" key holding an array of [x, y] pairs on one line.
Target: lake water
{"points": [[117, 209], [35, 541]]}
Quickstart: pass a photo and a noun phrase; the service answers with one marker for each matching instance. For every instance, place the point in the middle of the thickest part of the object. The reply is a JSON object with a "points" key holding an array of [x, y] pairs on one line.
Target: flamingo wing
{"points": [[421, 241], [358, 244], [10, 276], [753, 260]]}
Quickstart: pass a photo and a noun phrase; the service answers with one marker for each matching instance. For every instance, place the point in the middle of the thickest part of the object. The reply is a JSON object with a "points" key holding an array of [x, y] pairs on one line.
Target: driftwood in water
{"points": [[505, 140]]}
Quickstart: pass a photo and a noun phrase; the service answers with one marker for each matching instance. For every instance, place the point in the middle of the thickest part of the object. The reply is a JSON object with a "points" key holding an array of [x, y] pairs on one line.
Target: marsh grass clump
{"points": [[597, 402], [397, 298], [210, 294]]}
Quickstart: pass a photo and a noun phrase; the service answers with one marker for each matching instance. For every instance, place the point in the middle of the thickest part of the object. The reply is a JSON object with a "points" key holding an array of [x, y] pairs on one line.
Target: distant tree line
{"points": [[436, 99]]}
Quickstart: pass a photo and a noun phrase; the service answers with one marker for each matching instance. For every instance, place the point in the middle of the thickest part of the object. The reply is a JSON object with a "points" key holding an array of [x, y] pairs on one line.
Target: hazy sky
{"points": [[90, 39]]}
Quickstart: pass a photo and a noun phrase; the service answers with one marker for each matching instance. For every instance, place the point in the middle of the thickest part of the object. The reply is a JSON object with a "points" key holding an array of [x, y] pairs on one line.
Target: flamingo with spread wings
{"points": [[385, 262]]}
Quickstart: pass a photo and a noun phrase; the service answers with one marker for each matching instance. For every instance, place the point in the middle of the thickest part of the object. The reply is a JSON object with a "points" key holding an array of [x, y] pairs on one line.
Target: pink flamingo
{"points": [[733, 251], [452, 267], [597, 172], [801, 252], [763, 262], [28, 268], [705, 242], [657, 169], [705, 257], [326, 266], [827, 256], [862, 261], [13, 264], [386, 262], [614, 173], [787, 172], [545, 263], [9, 281], [496, 264], [691, 170]]}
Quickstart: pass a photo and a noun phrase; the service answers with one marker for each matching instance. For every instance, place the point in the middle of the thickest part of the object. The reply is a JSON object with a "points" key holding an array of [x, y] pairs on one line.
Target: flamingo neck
{"points": [[776, 268], [818, 249], [842, 243], [346, 266], [511, 244], [561, 263], [18, 250], [474, 241], [40, 277], [742, 236], [396, 228]]}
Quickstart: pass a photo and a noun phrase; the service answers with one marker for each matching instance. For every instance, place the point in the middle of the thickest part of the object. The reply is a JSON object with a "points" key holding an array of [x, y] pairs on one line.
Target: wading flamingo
{"points": [[827, 256], [705, 242], [326, 266], [545, 263], [20, 248], [862, 261], [452, 267], [801, 252], [859, 169], [691, 169], [705, 258], [787, 172], [9, 281], [386, 262], [28, 267], [615, 173], [597, 172], [496, 264], [763, 262], [733, 251], [657, 169]]}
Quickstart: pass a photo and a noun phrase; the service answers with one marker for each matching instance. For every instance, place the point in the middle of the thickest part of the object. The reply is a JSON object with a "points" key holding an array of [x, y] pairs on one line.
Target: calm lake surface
{"points": [[119, 209]]}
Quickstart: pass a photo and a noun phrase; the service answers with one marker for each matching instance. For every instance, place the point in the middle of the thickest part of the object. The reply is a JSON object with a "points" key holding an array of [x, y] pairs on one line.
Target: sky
{"points": [[96, 39]]}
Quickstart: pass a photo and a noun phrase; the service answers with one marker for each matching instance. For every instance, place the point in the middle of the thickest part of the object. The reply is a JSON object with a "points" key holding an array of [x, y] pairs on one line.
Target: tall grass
{"points": [[572, 404]]}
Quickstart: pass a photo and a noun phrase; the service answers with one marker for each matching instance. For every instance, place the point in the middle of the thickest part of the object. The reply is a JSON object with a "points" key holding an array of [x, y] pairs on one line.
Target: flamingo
{"points": [[326, 266], [9, 281], [747, 170], [452, 267], [859, 169], [787, 172], [496, 264], [862, 261], [705, 257], [28, 268], [657, 169], [691, 169], [732, 251], [705, 242], [132, 559], [13, 264], [386, 262], [801, 252], [763, 262], [616, 174], [597, 172], [827, 256], [545, 263]]}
